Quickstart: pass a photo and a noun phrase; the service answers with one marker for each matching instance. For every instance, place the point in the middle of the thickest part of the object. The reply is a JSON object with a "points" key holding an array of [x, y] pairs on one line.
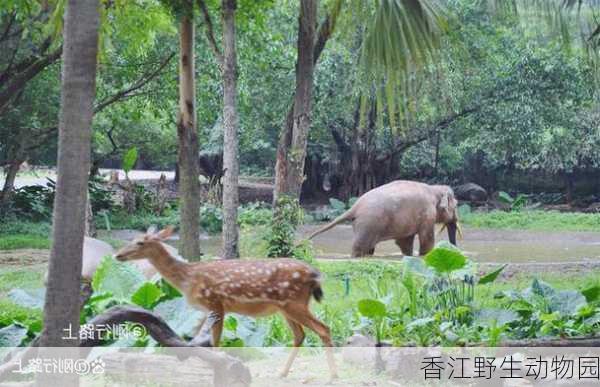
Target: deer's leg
{"points": [[302, 315], [298, 340], [215, 320]]}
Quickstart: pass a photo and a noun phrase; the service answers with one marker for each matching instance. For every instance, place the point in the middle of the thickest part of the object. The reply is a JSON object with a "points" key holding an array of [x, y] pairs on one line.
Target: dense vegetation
{"points": [[468, 92]]}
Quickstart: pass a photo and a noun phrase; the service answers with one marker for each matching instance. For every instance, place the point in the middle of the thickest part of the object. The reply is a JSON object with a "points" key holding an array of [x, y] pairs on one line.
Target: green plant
{"points": [[211, 218], [516, 203], [287, 216], [335, 209]]}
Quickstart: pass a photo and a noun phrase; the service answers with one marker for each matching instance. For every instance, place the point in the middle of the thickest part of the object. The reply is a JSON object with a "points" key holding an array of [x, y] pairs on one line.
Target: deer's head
{"points": [[144, 246]]}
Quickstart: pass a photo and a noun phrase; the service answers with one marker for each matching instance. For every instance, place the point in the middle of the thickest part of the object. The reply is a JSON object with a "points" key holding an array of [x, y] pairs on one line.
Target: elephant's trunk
{"points": [[452, 226]]}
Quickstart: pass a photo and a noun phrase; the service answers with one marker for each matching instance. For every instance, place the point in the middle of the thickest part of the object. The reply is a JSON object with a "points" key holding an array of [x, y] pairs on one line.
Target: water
{"points": [[482, 245]]}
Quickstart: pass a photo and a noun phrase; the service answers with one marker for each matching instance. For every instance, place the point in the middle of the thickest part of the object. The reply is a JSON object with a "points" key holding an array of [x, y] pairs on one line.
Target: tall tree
{"points": [[230, 135], [291, 152], [189, 186], [398, 35], [62, 303]]}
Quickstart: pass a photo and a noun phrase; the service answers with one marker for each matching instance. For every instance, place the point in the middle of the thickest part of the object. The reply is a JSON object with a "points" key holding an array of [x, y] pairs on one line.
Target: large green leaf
{"points": [[417, 266], [490, 317], [538, 288], [31, 298], [179, 315], [567, 302], [592, 293], [147, 295], [372, 308], [121, 279], [445, 260], [12, 335], [129, 159], [337, 204], [491, 277]]}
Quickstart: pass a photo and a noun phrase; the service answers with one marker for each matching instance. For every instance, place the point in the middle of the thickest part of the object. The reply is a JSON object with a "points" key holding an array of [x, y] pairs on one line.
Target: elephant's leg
{"points": [[406, 244], [363, 244], [426, 239]]}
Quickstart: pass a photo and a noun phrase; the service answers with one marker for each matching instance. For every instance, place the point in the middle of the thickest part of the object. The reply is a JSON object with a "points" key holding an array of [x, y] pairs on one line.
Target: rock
{"points": [[471, 192]]}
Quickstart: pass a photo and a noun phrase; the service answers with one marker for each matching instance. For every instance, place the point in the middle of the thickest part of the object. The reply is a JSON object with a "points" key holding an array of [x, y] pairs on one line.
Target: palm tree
{"points": [[62, 303]]}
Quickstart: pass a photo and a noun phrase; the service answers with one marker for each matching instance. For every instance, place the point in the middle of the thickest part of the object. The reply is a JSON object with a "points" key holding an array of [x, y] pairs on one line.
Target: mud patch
{"points": [[24, 257]]}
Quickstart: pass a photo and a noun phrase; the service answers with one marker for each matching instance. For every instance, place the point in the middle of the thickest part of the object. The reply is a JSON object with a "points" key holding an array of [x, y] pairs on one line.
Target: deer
{"points": [[253, 288]]}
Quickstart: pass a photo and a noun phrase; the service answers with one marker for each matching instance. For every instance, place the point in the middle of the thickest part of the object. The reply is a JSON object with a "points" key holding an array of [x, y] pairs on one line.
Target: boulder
{"points": [[471, 192]]}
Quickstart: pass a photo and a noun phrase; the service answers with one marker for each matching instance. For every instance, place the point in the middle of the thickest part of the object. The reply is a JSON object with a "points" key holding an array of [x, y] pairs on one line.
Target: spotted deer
{"points": [[249, 287]]}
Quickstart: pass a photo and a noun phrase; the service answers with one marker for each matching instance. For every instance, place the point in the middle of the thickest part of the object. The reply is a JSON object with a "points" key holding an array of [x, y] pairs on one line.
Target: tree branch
{"points": [[18, 82], [144, 79], [210, 33]]}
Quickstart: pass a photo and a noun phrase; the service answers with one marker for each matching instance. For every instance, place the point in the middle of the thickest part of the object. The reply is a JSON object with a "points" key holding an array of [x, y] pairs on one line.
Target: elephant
{"points": [[400, 210]]}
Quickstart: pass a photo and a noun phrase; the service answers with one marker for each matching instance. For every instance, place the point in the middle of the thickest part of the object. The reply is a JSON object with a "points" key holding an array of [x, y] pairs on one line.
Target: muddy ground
{"points": [[524, 251]]}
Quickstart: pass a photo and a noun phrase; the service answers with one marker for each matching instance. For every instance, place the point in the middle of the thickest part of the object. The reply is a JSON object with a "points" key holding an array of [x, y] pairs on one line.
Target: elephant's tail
{"points": [[345, 216]]}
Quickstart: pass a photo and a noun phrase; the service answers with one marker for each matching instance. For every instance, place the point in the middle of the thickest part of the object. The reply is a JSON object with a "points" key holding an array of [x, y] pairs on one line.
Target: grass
{"points": [[532, 220], [15, 242]]}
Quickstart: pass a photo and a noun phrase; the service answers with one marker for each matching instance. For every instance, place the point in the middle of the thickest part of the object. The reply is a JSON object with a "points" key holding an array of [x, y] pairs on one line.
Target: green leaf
{"points": [[417, 266], [567, 302], [129, 159], [420, 322], [445, 260], [147, 295], [12, 335], [498, 317], [118, 278], [491, 277], [179, 315], [539, 288], [33, 299], [337, 204], [505, 197], [592, 293], [230, 323], [372, 308]]}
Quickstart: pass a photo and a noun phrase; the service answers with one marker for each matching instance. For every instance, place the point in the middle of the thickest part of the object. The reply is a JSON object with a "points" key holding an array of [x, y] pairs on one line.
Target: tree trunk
{"points": [[9, 182], [230, 139], [292, 150], [61, 307], [189, 186]]}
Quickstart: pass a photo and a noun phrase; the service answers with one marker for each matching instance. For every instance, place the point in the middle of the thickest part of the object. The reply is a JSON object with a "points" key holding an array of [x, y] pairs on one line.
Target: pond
{"points": [[482, 245]]}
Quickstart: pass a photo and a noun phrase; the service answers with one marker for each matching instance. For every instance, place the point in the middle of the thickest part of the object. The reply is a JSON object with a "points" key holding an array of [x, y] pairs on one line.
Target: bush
{"points": [[286, 217]]}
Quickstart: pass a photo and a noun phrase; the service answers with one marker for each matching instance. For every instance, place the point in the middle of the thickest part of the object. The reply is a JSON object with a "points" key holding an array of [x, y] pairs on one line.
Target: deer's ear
{"points": [[165, 233]]}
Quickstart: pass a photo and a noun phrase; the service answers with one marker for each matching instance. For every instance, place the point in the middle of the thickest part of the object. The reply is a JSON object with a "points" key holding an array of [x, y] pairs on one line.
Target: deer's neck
{"points": [[175, 271]]}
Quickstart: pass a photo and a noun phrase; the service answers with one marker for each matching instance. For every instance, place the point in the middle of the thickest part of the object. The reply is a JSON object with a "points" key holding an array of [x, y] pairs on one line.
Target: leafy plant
{"points": [[516, 203], [287, 216]]}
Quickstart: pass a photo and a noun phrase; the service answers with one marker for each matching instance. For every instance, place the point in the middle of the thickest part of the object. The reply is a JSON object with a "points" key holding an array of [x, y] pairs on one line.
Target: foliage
{"points": [[533, 220], [117, 278], [335, 209], [288, 215], [129, 159], [516, 203], [211, 218]]}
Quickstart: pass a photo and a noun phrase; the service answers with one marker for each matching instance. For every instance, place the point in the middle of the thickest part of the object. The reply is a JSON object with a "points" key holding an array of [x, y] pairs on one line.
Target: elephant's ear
{"points": [[444, 203]]}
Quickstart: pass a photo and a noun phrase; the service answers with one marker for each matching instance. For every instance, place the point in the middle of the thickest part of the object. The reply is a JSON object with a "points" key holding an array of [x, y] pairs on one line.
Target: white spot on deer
{"points": [[207, 292], [285, 284], [296, 275]]}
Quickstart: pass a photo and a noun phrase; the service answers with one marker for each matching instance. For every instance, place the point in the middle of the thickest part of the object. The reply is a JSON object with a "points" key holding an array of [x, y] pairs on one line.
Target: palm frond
{"points": [[401, 36]]}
